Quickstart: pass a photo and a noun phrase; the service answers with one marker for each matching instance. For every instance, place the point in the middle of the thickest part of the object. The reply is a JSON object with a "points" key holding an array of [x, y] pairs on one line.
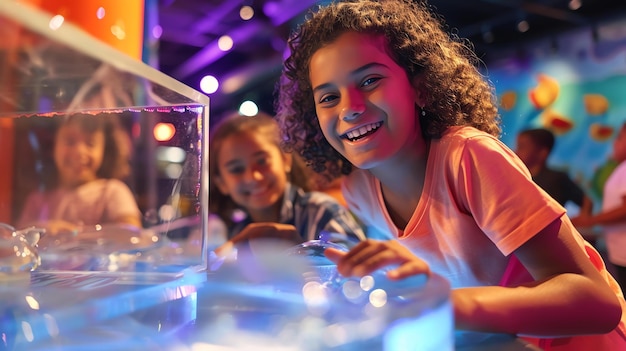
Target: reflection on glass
{"points": [[81, 154], [99, 149], [100, 182]]}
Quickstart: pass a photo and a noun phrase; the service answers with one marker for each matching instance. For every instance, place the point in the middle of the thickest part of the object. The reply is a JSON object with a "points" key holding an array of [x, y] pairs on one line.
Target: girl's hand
{"points": [[371, 255], [266, 230], [57, 226]]}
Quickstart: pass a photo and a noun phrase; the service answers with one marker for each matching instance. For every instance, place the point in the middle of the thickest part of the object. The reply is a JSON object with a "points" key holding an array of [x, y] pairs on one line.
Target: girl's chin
{"points": [[262, 201]]}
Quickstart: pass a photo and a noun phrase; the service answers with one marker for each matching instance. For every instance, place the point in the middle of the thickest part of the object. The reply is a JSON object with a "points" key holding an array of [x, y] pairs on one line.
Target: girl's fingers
{"points": [[334, 254], [225, 249], [409, 269], [267, 230], [372, 255], [259, 231]]}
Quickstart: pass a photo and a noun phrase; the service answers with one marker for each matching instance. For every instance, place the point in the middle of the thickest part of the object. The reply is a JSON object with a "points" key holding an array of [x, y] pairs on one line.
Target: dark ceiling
{"points": [[188, 45]]}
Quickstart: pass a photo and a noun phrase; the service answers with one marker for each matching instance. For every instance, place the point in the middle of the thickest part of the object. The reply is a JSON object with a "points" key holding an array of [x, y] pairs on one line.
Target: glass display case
{"points": [[103, 190]]}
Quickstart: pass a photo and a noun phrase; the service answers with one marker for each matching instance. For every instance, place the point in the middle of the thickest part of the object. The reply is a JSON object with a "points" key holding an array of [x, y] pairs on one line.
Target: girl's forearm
{"points": [[610, 217], [564, 305]]}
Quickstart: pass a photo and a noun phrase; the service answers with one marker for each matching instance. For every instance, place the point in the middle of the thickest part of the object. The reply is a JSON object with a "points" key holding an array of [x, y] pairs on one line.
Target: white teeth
{"points": [[355, 134]]}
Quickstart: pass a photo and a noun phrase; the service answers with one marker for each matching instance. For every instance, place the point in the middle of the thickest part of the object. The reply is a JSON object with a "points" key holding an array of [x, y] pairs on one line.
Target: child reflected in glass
{"points": [[91, 158], [259, 191]]}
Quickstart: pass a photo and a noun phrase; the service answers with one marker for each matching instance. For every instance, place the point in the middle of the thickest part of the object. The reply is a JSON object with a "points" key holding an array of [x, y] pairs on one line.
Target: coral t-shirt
{"points": [[478, 205]]}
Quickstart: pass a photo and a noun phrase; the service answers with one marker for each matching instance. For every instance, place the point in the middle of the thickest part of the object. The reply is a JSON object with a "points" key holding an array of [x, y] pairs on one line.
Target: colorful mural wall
{"points": [[575, 85]]}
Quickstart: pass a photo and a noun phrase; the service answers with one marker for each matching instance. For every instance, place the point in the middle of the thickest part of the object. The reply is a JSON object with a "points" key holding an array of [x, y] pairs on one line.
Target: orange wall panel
{"points": [[118, 23]]}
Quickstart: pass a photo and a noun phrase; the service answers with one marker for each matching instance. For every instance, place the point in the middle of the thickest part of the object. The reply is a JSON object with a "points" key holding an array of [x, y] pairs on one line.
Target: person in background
{"points": [[533, 146], [613, 214], [259, 191], [91, 157], [378, 91]]}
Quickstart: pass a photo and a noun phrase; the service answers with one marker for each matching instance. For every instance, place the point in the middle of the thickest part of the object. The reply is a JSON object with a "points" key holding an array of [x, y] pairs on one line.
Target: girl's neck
{"points": [[270, 214], [404, 174], [402, 183], [69, 185]]}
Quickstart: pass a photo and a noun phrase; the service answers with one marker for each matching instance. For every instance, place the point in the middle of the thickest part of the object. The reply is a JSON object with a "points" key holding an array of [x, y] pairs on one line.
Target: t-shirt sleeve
{"points": [[496, 189]]}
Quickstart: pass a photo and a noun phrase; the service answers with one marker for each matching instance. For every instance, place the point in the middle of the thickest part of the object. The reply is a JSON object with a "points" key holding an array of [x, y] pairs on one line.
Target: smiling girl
{"points": [[259, 191], [378, 91]]}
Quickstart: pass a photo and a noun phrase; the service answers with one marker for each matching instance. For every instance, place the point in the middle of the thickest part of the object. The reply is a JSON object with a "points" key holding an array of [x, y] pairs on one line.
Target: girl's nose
{"points": [[354, 105], [253, 175], [81, 149]]}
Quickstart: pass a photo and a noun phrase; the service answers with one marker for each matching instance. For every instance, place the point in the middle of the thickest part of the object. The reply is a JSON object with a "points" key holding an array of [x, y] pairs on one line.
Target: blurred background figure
{"points": [[260, 191], [612, 218], [533, 146], [91, 158]]}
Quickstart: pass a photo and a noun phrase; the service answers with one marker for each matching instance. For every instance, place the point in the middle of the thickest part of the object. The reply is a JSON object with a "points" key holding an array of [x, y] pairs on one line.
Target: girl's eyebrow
{"points": [[237, 160], [355, 72]]}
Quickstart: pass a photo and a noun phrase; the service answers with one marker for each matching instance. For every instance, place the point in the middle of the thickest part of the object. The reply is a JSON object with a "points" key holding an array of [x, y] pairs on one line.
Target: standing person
{"points": [[613, 214], [379, 91], [251, 176], [533, 146], [91, 157]]}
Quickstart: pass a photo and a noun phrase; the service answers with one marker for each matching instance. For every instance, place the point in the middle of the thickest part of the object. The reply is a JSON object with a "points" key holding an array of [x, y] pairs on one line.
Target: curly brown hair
{"points": [[458, 94], [234, 124]]}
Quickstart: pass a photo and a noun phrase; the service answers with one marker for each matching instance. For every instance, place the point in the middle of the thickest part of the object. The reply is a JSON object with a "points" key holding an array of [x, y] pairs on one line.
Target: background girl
{"points": [[259, 191]]}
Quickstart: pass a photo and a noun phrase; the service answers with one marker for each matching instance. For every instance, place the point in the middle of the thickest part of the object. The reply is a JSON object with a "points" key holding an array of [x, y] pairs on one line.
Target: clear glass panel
{"points": [[103, 190], [102, 151]]}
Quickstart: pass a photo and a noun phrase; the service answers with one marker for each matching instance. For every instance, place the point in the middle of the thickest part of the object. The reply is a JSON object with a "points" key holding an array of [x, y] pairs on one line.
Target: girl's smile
{"points": [[362, 131]]}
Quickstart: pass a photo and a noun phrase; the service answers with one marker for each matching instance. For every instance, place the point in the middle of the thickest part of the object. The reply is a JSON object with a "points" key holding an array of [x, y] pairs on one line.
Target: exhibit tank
{"points": [[126, 234], [143, 196]]}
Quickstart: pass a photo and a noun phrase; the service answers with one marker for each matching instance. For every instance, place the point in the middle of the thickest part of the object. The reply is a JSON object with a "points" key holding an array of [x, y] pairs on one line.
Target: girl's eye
{"points": [[327, 98], [370, 81], [69, 141], [236, 170], [262, 161]]}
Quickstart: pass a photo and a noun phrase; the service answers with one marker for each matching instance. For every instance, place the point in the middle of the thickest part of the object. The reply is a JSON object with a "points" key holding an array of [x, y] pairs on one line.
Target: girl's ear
{"points": [[288, 158], [420, 99], [219, 182]]}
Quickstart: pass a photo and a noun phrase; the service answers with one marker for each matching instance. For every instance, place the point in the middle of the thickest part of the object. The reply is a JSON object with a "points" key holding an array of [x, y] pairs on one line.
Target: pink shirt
{"points": [[98, 202], [478, 205], [613, 197]]}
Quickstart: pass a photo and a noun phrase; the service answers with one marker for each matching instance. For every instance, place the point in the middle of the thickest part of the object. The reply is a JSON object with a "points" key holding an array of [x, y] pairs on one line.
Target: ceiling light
{"points": [[225, 43], [209, 84], [523, 26], [248, 108], [246, 12], [575, 4]]}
